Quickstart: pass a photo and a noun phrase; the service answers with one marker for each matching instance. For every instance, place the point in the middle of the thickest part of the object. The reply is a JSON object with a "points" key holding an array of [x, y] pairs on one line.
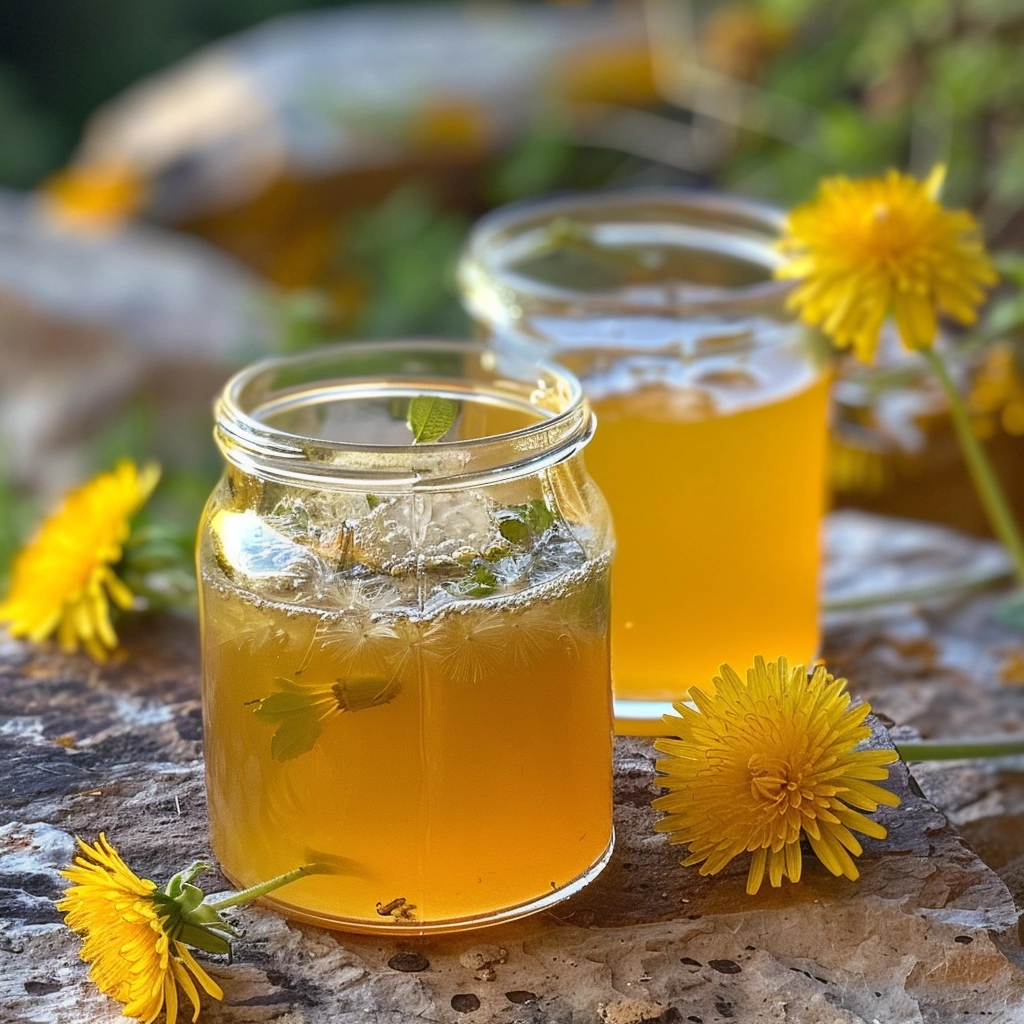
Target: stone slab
{"points": [[929, 934]]}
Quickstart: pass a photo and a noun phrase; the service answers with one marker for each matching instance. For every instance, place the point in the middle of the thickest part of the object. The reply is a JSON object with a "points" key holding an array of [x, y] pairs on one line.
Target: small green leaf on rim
{"points": [[431, 417]]}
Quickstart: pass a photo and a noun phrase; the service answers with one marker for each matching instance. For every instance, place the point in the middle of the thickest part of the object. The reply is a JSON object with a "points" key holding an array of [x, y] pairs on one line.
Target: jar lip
{"points": [[255, 446], [481, 252]]}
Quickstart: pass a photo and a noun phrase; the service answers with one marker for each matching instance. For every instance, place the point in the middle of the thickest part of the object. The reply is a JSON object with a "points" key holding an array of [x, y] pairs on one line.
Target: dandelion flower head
{"points": [[760, 763], [131, 956], [63, 580], [93, 197], [864, 250]]}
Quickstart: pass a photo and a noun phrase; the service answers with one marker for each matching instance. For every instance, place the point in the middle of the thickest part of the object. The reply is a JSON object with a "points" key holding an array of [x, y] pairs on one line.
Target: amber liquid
{"points": [[717, 517], [710, 442], [478, 789]]}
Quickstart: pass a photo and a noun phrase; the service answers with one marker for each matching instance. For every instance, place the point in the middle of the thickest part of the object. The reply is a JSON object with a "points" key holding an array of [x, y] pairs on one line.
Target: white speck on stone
{"points": [[136, 712], [34, 847], [29, 727]]}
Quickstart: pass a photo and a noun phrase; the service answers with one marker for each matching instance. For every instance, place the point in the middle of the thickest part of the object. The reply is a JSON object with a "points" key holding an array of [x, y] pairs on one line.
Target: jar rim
{"points": [[255, 446], [753, 224]]}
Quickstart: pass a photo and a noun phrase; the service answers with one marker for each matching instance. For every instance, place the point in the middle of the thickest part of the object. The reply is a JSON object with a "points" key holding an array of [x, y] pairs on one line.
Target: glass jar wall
{"points": [[405, 646], [712, 411]]}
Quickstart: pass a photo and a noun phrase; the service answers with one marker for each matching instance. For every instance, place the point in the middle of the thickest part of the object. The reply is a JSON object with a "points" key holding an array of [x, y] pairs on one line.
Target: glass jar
{"points": [[405, 646], [712, 414]]}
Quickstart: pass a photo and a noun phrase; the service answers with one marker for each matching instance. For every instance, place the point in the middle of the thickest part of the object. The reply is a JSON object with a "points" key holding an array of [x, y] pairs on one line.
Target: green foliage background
{"points": [[60, 59], [856, 87]]}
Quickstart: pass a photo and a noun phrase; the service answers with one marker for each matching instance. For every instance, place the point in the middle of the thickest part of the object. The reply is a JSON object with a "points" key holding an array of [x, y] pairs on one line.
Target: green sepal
{"points": [[187, 918], [190, 917]]}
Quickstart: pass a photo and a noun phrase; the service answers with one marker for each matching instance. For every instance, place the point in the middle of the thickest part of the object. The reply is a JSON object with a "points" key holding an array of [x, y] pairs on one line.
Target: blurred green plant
{"points": [[403, 252], [33, 141], [902, 84], [17, 514]]}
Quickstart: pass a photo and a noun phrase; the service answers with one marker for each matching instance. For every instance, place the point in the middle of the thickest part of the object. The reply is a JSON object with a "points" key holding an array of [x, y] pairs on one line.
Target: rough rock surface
{"points": [[929, 933]]}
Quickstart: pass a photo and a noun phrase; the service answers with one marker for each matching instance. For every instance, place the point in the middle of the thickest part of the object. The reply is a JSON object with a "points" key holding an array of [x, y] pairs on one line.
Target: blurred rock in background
{"points": [[341, 154], [262, 141], [134, 328]]}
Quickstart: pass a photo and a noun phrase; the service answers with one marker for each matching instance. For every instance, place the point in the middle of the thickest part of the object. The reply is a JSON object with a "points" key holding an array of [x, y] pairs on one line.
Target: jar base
{"points": [[456, 924]]}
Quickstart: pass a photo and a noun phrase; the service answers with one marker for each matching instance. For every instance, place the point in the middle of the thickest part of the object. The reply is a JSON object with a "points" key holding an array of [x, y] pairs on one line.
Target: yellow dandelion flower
{"points": [[131, 955], [136, 935], [864, 250], [63, 580], [759, 764], [998, 390]]}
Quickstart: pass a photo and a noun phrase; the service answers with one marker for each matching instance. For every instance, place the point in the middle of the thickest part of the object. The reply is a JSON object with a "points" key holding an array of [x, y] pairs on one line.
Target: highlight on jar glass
{"points": [[404, 581], [711, 403]]}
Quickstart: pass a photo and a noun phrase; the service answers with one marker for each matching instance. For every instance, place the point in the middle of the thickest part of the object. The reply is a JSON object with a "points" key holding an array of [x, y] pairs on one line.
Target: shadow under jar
{"points": [[712, 419], [405, 646]]}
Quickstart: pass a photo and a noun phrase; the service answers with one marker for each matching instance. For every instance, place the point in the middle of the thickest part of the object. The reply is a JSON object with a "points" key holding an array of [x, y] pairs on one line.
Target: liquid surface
{"points": [[457, 760]]}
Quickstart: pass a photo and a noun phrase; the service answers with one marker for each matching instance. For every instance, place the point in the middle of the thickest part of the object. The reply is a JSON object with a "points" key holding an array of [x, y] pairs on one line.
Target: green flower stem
{"points": [[980, 468], [254, 892], [959, 750]]}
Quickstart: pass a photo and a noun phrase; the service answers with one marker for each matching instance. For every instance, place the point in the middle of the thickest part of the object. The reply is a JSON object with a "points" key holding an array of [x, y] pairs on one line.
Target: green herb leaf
{"points": [[515, 530], [480, 582], [297, 734], [280, 705], [298, 716], [431, 417], [520, 524], [373, 501], [299, 712], [538, 516]]}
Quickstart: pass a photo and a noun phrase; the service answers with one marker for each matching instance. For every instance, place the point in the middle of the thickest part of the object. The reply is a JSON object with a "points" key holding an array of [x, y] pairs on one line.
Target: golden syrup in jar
{"points": [[409, 687]]}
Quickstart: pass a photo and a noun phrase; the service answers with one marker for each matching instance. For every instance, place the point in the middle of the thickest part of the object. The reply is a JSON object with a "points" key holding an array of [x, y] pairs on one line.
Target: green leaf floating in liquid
{"points": [[520, 524], [480, 582], [300, 713], [431, 417]]}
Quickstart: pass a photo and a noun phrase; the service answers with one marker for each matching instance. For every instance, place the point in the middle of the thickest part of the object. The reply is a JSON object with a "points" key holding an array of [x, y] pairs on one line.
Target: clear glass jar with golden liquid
{"points": [[712, 417], [405, 646]]}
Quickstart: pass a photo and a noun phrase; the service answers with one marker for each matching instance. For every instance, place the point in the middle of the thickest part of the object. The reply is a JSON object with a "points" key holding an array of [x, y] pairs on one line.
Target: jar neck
{"points": [[257, 412], [728, 241]]}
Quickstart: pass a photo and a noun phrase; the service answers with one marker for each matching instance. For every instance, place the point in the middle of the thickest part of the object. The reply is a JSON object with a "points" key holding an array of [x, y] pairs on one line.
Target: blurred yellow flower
{"points": [[759, 764], [862, 250], [132, 957], [854, 467], [63, 580], [93, 197], [997, 392]]}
